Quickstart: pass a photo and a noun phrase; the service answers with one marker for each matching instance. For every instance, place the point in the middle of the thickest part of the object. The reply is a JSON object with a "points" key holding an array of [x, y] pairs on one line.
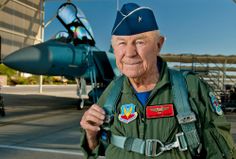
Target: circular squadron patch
{"points": [[215, 104]]}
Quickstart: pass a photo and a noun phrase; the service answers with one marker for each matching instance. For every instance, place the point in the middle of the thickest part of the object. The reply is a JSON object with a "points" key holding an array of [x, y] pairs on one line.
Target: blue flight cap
{"points": [[133, 19]]}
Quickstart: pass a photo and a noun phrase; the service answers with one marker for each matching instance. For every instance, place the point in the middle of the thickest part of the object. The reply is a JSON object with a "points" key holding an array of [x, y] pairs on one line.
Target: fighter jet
{"points": [[70, 54]]}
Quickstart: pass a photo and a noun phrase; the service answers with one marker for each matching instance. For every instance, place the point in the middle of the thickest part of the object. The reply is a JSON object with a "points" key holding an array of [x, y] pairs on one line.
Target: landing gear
{"points": [[80, 105], [81, 92], [2, 109]]}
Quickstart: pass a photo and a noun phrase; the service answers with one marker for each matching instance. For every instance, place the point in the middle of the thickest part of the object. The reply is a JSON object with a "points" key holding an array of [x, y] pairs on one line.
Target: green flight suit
{"points": [[211, 126]]}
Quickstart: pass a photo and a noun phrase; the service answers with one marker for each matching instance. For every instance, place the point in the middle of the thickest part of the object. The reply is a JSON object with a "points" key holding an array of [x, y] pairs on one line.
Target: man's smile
{"points": [[132, 62]]}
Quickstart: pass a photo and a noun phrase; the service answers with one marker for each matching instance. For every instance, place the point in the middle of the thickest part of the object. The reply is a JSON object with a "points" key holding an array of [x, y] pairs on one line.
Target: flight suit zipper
{"points": [[152, 95]]}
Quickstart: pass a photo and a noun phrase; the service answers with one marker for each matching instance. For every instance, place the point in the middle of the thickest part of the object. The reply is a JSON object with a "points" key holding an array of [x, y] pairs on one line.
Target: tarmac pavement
{"points": [[40, 126]]}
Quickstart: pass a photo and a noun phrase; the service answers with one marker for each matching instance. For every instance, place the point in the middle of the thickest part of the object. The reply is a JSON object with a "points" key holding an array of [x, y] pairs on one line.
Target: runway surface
{"points": [[40, 126], [44, 126]]}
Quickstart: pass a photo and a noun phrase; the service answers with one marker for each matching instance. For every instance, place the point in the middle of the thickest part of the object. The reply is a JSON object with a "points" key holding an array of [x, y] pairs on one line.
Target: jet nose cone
{"points": [[30, 59]]}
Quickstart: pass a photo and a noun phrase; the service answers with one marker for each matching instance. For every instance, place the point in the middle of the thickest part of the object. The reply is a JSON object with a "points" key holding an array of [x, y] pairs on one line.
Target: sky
{"points": [[189, 26]]}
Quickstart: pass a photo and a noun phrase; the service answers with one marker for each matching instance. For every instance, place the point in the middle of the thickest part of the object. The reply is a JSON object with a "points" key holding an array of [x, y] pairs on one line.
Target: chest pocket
{"points": [[129, 117], [163, 129]]}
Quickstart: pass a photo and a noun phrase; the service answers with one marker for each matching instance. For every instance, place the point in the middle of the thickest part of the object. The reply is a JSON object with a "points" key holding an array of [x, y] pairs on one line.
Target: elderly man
{"points": [[146, 124]]}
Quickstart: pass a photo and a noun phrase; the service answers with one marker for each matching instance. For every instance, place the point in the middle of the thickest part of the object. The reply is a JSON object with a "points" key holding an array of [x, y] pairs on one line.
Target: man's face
{"points": [[136, 55]]}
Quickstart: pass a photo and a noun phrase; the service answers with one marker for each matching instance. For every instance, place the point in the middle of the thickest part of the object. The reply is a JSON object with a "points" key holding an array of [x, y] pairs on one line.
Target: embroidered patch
{"points": [[159, 111], [215, 104], [128, 113]]}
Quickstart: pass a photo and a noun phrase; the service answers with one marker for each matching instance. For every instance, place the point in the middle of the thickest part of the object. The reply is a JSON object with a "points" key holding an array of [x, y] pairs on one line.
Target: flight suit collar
{"points": [[163, 79]]}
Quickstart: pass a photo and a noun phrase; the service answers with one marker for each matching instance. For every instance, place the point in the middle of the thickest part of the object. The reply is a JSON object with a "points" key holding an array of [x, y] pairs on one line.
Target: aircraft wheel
{"points": [[80, 105], [2, 112]]}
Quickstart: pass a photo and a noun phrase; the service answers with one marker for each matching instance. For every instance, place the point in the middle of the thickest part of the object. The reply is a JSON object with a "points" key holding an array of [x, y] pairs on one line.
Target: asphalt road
{"points": [[45, 126]]}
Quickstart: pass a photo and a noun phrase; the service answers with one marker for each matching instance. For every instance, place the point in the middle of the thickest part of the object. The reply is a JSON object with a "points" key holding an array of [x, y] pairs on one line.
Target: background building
{"points": [[21, 24]]}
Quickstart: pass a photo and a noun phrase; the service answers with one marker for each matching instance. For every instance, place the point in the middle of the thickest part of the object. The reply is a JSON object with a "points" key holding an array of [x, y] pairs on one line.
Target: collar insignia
{"points": [[128, 113]]}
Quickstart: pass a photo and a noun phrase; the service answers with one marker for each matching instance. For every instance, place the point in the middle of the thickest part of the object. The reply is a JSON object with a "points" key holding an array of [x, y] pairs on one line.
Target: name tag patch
{"points": [[159, 111]]}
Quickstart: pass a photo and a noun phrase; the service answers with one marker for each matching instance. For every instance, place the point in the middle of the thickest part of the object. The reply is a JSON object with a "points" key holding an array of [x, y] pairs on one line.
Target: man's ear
{"points": [[160, 42]]}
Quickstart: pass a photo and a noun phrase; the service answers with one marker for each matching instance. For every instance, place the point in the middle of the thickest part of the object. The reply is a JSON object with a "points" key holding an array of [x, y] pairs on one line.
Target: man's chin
{"points": [[132, 75]]}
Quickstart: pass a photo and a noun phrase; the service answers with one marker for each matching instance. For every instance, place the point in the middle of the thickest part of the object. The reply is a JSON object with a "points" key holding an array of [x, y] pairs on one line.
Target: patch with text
{"points": [[159, 111]]}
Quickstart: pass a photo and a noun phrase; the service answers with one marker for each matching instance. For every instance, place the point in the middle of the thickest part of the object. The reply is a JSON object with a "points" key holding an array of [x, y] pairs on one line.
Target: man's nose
{"points": [[131, 50]]}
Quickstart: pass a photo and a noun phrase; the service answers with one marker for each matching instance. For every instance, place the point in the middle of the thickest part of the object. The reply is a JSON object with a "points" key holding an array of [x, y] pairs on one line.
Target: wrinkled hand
{"points": [[91, 121]]}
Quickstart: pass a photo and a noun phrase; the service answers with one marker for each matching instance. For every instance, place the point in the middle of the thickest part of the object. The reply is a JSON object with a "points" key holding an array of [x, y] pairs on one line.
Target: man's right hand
{"points": [[91, 121]]}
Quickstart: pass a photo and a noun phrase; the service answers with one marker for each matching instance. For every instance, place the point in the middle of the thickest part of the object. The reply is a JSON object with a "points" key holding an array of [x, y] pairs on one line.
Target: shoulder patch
{"points": [[215, 104], [128, 113]]}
